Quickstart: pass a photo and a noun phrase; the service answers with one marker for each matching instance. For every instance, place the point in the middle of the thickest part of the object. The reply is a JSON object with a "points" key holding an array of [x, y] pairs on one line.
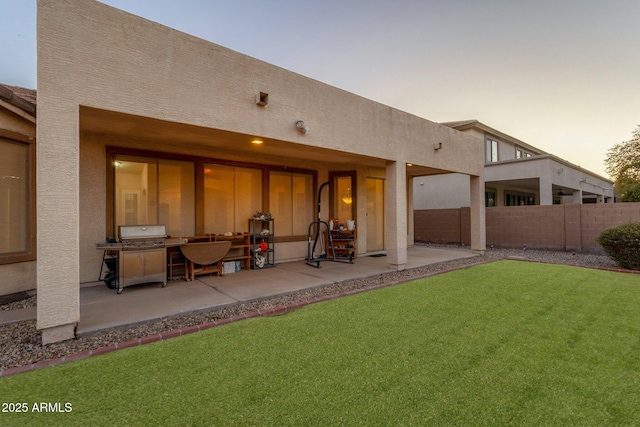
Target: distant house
{"points": [[142, 124], [515, 174]]}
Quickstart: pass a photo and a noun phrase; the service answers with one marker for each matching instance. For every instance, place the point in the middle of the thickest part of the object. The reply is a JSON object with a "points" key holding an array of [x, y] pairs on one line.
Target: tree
{"points": [[623, 165]]}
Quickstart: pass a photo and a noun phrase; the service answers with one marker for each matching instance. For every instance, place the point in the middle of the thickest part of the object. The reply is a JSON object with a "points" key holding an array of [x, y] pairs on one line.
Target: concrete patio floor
{"points": [[102, 308]]}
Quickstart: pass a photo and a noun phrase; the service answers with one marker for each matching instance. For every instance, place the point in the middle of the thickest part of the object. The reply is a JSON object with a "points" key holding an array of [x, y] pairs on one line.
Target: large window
{"points": [[291, 202], [490, 198], [193, 196], [155, 191], [519, 199], [15, 201], [231, 195]]}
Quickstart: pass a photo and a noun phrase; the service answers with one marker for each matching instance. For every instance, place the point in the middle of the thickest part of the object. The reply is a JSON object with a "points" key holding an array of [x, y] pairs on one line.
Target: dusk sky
{"points": [[563, 76]]}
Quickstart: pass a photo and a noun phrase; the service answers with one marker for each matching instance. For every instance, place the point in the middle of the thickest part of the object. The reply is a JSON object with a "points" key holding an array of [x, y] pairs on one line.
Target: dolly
{"points": [[318, 237]]}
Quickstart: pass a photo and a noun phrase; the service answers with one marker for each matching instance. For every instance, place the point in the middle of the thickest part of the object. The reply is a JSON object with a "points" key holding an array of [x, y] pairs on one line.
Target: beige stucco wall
{"points": [[447, 191], [17, 277], [94, 55]]}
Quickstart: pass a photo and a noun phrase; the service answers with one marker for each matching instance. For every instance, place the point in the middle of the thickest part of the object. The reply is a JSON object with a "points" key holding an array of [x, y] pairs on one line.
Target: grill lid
{"points": [[128, 232]]}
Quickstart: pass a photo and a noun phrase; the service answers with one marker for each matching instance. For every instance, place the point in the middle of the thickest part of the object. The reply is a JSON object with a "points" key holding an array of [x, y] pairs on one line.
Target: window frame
{"points": [[291, 175], [200, 161], [492, 150], [521, 153], [158, 190], [235, 195], [520, 195], [490, 194], [30, 253], [333, 196]]}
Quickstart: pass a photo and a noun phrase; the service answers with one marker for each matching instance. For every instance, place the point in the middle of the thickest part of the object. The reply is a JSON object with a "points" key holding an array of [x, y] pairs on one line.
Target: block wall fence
{"points": [[557, 227]]}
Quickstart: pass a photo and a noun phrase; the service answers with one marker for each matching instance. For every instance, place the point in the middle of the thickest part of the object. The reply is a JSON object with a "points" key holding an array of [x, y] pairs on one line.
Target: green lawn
{"points": [[506, 343]]}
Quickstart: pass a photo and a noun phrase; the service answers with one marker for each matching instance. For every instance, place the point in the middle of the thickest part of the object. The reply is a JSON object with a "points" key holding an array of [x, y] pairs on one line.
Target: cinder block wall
{"points": [[442, 225], [556, 227], [539, 227], [598, 217]]}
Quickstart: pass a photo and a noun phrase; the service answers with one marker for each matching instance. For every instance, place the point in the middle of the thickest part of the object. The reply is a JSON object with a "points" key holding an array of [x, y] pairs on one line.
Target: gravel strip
{"points": [[20, 343]]}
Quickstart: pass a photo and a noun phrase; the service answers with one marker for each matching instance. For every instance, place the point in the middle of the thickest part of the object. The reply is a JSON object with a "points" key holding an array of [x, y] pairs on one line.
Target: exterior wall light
{"points": [[301, 127]]}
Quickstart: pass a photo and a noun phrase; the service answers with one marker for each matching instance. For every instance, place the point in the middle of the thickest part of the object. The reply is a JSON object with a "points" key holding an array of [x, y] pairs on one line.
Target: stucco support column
{"points": [[499, 196], [577, 197], [410, 216], [57, 158], [396, 215], [546, 191], [477, 212]]}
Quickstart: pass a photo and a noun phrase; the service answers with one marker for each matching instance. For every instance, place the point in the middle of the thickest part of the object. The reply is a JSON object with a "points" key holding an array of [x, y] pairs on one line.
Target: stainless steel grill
{"points": [[140, 256]]}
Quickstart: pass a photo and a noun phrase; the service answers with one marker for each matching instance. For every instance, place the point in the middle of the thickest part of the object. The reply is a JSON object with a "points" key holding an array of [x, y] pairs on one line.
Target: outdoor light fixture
{"points": [[347, 197], [301, 127]]}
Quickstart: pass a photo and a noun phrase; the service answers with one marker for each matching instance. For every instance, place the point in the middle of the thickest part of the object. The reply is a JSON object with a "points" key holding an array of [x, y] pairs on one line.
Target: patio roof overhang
{"points": [[173, 135], [533, 184]]}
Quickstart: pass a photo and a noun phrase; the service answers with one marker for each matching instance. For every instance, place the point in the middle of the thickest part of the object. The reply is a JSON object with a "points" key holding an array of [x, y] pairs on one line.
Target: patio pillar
{"points": [[499, 196], [58, 282], [477, 210], [57, 192], [546, 191], [410, 215], [577, 197], [396, 215]]}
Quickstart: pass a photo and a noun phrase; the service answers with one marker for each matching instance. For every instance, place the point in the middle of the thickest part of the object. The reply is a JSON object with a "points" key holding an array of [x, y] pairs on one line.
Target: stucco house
{"points": [[140, 123], [515, 174]]}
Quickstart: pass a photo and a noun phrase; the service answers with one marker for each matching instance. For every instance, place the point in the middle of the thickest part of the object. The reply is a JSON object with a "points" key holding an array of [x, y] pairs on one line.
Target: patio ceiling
{"points": [[532, 184], [525, 183], [129, 126]]}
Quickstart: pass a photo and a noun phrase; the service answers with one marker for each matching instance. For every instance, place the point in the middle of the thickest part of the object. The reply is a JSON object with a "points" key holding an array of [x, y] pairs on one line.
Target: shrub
{"points": [[622, 244]]}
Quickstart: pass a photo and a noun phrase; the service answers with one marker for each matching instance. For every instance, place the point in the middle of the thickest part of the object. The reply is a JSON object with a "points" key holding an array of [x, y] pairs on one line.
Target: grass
{"points": [[506, 343]]}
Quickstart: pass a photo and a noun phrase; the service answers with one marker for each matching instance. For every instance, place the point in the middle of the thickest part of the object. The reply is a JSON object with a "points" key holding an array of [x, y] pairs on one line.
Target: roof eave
{"points": [[9, 96]]}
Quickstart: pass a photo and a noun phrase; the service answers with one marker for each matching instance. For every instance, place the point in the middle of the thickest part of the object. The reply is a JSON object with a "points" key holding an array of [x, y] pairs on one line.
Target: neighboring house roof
{"points": [[463, 125], [19, 97]]}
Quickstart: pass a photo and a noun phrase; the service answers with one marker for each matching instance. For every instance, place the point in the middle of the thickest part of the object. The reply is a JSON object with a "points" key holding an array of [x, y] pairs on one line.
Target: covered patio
{"points": [[102, 308]]}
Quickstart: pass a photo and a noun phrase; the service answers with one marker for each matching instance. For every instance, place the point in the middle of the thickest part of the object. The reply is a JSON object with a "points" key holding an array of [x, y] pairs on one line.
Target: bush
{"points": [[622, 244]]}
